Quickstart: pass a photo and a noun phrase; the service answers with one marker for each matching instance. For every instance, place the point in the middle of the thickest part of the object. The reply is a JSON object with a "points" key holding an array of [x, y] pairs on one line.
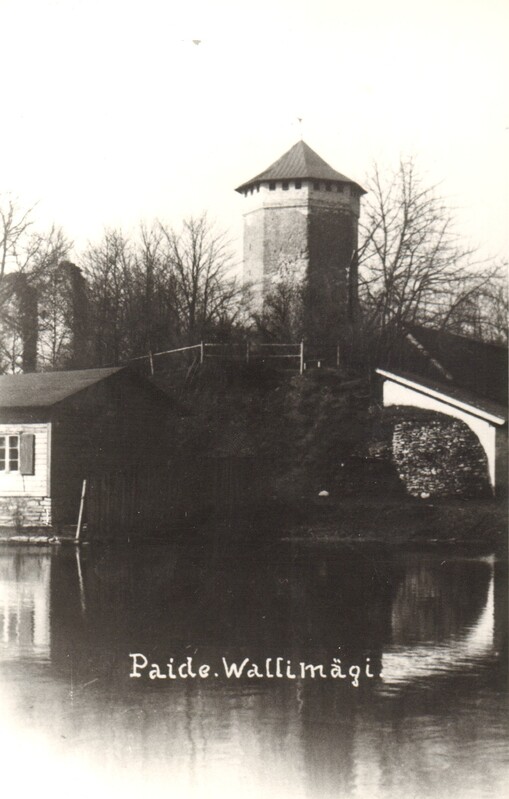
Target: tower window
{"points": [[328, 187], [272, 185], [298, 184], [316, 185], [285, 185]]}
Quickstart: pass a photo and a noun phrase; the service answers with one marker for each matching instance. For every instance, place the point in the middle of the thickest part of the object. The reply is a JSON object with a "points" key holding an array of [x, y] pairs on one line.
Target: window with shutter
{"points": [[27, 453]]}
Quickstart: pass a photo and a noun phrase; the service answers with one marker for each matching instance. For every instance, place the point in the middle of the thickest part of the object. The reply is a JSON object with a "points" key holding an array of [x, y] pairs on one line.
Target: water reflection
{"points": [[431, 725], [439, 623], [24, 604]]}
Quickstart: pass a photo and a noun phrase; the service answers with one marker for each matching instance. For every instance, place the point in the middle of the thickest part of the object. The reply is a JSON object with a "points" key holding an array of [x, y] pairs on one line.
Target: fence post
{"points": [[337, 355], [301, 363], [80, 515], [202, 351], [151, 362], [247, 351]]}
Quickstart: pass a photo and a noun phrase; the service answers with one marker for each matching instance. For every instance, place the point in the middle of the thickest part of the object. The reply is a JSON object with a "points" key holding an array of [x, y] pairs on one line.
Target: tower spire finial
{"points": [[300, 120]]}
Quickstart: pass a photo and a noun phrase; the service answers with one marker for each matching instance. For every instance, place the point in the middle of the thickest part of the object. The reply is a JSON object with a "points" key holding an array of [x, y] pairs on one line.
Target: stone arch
{"points": [[400, 391], [438, 455]]}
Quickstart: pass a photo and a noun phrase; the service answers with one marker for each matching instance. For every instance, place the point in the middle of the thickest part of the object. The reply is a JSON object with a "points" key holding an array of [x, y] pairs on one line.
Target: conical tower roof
{"points": [[300, 162]]}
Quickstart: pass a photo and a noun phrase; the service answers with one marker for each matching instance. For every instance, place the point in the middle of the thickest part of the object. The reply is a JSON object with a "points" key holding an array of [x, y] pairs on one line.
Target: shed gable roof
{"points": [[300, 161], [43, 389]]}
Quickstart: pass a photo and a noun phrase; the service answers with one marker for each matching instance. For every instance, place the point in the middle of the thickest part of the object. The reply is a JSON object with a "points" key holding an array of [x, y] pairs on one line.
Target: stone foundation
{"points": [[431, 454], [18, 512], [439, 457]]}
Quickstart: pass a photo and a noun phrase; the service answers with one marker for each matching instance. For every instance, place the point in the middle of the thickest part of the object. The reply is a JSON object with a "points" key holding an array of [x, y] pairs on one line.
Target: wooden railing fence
{"points": [[248, 352]]}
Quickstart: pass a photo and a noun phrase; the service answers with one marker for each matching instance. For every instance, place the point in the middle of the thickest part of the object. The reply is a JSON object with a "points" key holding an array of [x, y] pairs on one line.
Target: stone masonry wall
{"points": [[285, 246], [439, 457], [308, 235], [332, 236], [20, 512]]}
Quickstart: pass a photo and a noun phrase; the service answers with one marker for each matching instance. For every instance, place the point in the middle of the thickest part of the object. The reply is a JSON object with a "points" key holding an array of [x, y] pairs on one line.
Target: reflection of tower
{"points": [[24, 605], [301, 226]]}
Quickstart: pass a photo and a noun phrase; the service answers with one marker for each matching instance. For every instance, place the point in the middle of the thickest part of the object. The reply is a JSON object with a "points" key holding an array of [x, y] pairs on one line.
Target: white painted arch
{"points": [[398, 390]]}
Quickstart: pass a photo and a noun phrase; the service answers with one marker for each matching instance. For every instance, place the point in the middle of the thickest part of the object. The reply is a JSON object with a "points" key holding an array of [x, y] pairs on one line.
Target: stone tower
{"points": [[301, 225]]}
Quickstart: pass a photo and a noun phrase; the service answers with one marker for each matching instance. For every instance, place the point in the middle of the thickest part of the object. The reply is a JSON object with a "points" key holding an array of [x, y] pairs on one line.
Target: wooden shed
{"points": [[57, 428]]}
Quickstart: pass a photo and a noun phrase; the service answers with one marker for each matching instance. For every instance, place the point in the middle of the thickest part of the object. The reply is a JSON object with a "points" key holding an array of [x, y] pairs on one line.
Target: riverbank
{"points": [[402, 521], [273, 444], [392, 521]]}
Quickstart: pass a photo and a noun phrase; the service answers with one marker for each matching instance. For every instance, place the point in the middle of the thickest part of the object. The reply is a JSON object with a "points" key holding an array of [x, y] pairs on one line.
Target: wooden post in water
{"points": [[80, 582], [337, 355], [82, 506], [247, 351], [151, 358], [301, 362], [202, 351]]}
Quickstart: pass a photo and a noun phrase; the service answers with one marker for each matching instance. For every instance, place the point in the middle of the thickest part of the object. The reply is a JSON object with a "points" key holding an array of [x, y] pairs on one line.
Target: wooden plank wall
{"points": [[153, 502], [111, 425]]}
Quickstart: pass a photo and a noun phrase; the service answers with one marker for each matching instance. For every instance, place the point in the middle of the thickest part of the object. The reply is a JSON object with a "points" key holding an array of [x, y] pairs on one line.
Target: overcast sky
{"points": [[111, 114]]}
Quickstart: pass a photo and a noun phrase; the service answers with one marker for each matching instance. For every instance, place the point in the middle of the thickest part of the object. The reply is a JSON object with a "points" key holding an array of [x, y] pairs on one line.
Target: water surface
{"points": [[430, 628]]}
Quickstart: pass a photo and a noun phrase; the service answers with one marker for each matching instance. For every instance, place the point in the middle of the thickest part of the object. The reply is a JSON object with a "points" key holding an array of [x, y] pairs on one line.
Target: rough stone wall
{"points": [[275, 247], [285, 253], [314, 247], [28, 322], [80, 314], [21, 512], [307, 236], [439, 457], [253, 254], [332, 237]]}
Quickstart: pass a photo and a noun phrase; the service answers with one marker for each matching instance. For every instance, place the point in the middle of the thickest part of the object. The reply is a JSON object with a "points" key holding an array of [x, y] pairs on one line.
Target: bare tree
{"points": [[478, 306], [199, 268], [15, 224], [413, 267], [26, 259], [281, 317], [63, 318], [156, 289], [163, 289], [110, 268], [47, 282]]}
